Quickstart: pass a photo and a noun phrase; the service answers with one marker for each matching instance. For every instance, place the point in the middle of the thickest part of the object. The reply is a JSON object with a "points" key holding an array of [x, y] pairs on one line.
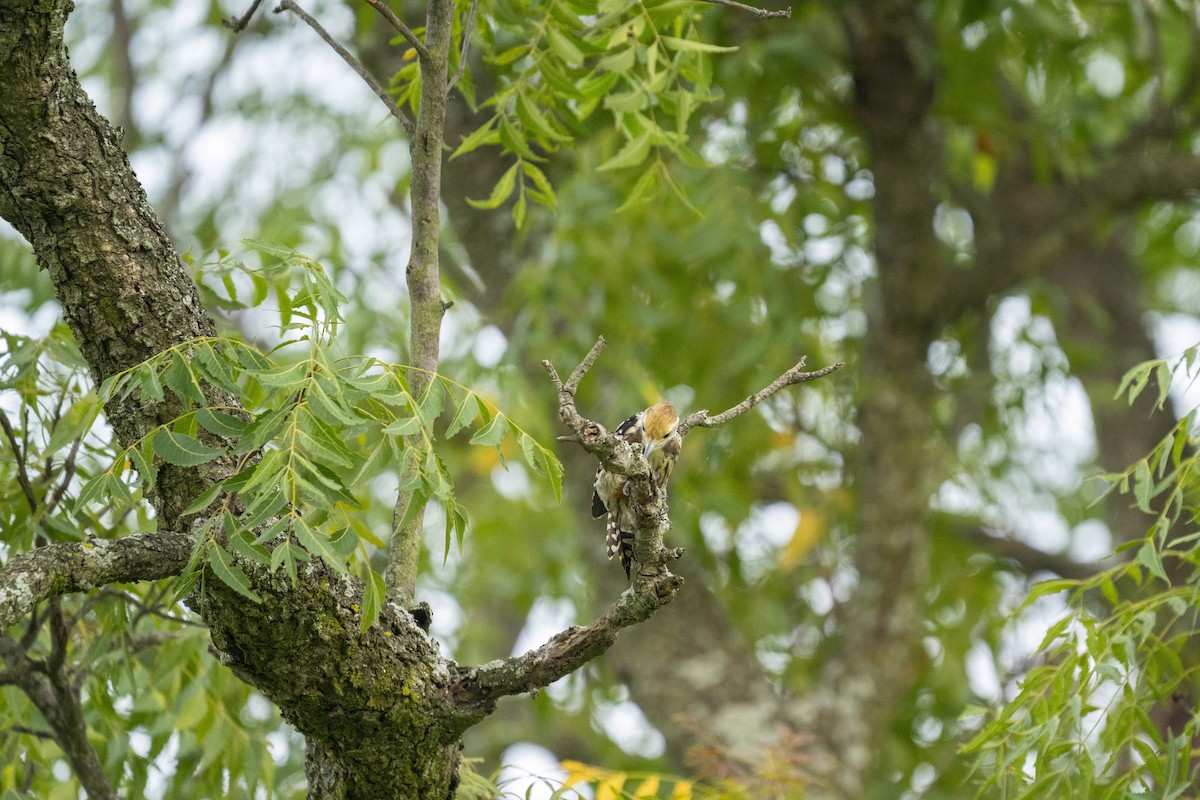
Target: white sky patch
{"points": [[512, 483], [1091, 540], [981, 672], [759, 538], [448, 616], [1174, 333], [629, 729], [489, 346], [548, 616], [530, 771], [14, 318], [1106, 73]]}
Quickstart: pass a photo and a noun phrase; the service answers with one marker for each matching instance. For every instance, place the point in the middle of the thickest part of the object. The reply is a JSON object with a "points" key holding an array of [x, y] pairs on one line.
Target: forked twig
{"points": [[701, 419]]}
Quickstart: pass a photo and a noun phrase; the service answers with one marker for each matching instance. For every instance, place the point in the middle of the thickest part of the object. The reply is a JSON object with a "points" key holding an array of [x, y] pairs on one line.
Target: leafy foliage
{"points": [[1081, 722], [558, 63]]}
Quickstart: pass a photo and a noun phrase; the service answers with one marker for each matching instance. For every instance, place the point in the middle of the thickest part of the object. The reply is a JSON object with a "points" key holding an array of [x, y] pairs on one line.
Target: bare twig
{"points": [[22, 472], [68, 472], [31, 731], [238, 25], [399, 25], [468, 27], [148, 609], [761, 13], [397, 112], [701, 419]]}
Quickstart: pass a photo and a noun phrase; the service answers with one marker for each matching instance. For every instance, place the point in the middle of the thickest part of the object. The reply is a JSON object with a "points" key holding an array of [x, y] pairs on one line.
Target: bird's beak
{"points": [[647, 448]]}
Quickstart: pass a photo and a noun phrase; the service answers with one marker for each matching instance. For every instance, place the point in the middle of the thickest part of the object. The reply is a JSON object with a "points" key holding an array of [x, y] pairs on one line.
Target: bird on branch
{"points": [[655, 432]]}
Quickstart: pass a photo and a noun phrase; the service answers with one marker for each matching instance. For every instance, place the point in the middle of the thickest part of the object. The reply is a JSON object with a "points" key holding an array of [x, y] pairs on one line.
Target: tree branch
{"points": [[399, 25], [476, 689], [423, 277], [57, 569], [238, 25], [380, 92], [1027, 557], [761, 13], [701, 419], [19, 457]]}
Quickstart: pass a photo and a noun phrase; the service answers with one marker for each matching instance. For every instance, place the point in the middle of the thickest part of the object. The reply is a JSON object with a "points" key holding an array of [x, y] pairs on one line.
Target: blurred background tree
{"points": [[986, 209]]}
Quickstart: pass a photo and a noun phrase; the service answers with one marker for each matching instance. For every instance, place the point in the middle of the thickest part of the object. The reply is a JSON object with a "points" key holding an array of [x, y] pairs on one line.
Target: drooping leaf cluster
{"points": [[1087, 719], [311, 432], [557, 64]]}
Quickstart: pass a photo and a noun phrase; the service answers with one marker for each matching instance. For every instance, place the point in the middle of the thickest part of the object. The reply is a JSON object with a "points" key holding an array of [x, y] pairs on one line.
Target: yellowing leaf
{"points": [[682, 791], [808, 531], [610, 787], [649, 788], [578, 772]]}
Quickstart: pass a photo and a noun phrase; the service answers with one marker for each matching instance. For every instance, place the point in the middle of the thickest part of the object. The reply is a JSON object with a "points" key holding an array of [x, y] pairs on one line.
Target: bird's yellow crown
{"points": [[661, 420]]}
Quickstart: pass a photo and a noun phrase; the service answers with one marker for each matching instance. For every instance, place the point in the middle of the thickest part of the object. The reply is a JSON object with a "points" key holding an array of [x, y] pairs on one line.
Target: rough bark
{"points": [[58, 569], [66, 186]]}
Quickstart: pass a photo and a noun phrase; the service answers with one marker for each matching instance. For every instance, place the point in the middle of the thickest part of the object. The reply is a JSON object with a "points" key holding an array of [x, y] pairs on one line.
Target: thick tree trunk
{"points": [[874, 665], [66, 186]]}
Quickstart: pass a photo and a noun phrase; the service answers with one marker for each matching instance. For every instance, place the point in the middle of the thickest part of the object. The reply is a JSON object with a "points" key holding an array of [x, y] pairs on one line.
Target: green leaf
{"points": [[215, 367], [542, 183], [329, 401], [205, 499], [633, 153], [536, 122], [285, 376], [75, 423], [372, 600], [500, 192], [1049, 587], [183, 450], [564, 47], [405, 426], [262, 430], [491, 434], [510, 55], [1162, 375], [468, 410], [432, 402], [694, 46], [180, 379], [513, 140], [344, 542], [456, 525], [485, 134], [287, 555], [318, 544], [224, 425], [1148, 557], [241, 543], [224, 567]]}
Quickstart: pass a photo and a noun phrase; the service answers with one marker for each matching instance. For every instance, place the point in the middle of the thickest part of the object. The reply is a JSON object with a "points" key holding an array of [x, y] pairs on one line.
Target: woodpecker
{"points": [[656, 432]]}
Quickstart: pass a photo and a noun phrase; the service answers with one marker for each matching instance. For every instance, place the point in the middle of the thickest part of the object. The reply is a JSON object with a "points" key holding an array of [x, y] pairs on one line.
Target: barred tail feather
{"points": [[619, 542]]}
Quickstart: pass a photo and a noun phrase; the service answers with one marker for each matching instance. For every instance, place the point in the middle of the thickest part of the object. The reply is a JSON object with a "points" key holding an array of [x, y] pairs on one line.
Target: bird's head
{"points": [[660, 422]]}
